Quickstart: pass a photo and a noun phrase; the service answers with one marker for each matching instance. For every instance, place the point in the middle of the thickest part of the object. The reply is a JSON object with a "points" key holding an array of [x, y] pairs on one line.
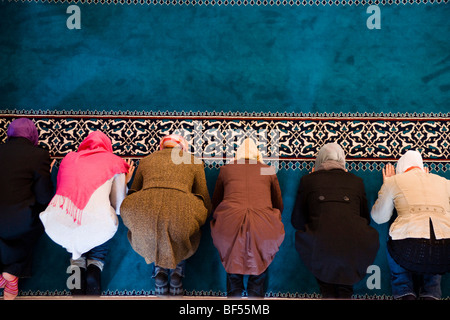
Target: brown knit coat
{"points": [[166, 206]]}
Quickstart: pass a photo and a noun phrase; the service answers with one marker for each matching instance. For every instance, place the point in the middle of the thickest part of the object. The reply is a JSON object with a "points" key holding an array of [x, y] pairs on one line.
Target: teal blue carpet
{"points": [[309, 71], [225, 58]]}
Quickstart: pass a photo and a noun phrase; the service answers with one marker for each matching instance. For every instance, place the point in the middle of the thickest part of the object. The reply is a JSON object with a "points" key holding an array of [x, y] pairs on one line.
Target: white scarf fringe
{"points": [[68, 206]]}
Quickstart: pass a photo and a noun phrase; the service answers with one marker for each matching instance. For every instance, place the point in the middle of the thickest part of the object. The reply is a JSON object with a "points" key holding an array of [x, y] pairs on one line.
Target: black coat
{"points": [[25, 190], [331, 216]]}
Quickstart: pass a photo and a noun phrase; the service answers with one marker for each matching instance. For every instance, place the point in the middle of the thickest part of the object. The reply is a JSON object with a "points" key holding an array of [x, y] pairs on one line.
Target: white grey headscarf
{"points": [[410, 159], [330, 156]]}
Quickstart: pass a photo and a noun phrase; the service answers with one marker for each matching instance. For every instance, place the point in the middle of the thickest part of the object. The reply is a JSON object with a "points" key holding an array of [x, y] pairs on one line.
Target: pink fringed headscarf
{"points": [[84, 171]]}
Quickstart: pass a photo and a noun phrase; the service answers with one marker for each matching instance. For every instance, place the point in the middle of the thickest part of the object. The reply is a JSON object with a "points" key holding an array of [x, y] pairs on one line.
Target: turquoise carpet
{"points": [[298, 58], [309, 72]]}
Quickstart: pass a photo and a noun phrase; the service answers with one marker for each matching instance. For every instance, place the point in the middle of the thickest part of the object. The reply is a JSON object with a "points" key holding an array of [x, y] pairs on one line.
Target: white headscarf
{"points": [[330, 156], [248, 150], [410, 159]]}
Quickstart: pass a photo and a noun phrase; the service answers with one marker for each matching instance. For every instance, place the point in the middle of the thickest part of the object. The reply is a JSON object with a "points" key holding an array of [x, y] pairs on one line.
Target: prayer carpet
{"points": [[291, 74]]}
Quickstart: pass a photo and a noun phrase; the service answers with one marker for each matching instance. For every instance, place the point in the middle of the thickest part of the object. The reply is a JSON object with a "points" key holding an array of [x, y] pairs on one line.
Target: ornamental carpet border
{"points": [[243, 2], [281, 137], [198, 294]]}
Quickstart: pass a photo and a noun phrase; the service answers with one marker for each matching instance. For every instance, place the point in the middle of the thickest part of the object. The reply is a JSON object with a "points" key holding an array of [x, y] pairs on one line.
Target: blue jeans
{"points": [[96, 256], [404, 282]]}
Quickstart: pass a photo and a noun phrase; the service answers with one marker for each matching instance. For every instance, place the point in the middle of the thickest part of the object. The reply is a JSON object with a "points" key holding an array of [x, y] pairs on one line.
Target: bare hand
{"points": [[130, 172], [52, 164], [388, 171]]}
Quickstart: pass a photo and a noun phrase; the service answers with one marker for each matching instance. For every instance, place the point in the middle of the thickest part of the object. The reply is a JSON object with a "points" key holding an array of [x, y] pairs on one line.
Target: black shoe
{"points": [[93, 280], [235, 285], [428, 298], [235, 293], [161, 276], [81, 291]]}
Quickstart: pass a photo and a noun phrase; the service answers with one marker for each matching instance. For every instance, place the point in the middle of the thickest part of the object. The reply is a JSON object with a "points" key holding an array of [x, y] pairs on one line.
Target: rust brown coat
{"points": [[246, 227], [166, 206]]}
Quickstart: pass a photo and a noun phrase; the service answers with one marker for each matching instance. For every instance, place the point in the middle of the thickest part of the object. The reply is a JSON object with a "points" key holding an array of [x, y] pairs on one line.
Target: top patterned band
{"points": [[246, 2], [215, 136]]}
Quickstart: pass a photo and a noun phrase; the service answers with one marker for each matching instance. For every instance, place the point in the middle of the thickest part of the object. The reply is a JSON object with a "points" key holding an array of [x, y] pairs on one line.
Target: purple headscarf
{"points": [[24, 128]]}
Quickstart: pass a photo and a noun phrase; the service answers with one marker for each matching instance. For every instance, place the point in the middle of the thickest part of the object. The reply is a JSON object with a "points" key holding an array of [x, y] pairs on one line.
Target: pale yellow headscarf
{"points": [[248, 150]]}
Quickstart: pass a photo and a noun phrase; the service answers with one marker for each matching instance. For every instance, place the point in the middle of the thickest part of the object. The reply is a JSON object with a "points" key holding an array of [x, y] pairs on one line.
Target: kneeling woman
{"points": [[246, 227], [25, 189], [82, 216], [418, 249], [167, 204], [334, 238]]}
